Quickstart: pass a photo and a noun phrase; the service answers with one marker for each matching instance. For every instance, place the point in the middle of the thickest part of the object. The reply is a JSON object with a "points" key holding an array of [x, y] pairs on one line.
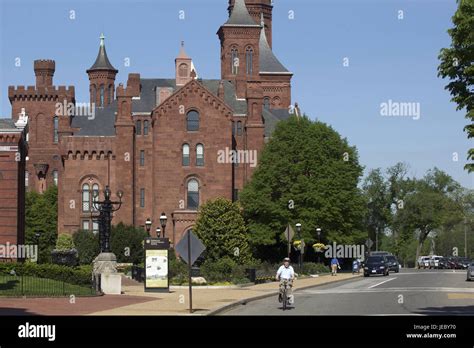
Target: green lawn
{"points": [[33, 286]]}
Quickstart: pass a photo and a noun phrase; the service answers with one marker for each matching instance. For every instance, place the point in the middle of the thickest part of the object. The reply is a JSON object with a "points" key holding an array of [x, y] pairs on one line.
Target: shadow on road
{"points": [[446, 310]]}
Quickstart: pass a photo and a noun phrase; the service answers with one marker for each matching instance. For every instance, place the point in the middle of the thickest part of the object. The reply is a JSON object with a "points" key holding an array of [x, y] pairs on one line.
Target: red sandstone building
{"points": [[159, 140]]}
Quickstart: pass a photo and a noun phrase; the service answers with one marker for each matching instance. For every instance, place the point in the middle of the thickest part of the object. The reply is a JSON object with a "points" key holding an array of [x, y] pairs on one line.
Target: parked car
{"points": [[444, 263], [393, 264], [379, 253], [463, 262], [376, 265], [470, 272], [434, 261], [423, 262]]}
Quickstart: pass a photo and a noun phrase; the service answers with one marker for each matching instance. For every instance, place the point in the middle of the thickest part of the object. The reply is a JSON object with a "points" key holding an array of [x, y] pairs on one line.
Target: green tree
{"points": [[126, 243], [87, 245], [376, 192], [221, 227], [41, 218], [307, 173], [457, 65], [64, 242]]}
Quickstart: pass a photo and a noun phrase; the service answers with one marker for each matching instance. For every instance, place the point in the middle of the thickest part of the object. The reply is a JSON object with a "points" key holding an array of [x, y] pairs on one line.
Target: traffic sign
{"points": [[197, 247], [369, 243], [289, 233]]}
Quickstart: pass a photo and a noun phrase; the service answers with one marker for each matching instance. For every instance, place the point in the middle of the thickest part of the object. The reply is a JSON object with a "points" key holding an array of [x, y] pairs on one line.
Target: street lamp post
{"points": [[300, 261], [163, 220], [37, 240], [105, 209], [158, 232], [148, 226], [318, 231]]}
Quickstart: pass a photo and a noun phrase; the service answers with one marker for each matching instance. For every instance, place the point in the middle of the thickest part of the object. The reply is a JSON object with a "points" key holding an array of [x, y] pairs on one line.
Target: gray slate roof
{"points": [[272, 117], [102, 61], [104, 120], [7, 123], [240, 16], [268, 61]]}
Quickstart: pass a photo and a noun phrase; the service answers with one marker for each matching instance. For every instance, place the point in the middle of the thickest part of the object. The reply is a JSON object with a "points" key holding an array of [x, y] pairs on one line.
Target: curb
{"points": [[244, 301]]}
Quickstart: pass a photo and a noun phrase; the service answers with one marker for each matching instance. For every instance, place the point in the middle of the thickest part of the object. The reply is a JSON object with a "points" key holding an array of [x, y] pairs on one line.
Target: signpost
{"points": [[289, 234], [189, 249], [156, 264]]}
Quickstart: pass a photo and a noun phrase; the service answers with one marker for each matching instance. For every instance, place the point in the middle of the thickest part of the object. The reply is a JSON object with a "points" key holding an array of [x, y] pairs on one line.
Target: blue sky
{"points": [[389, 59]]}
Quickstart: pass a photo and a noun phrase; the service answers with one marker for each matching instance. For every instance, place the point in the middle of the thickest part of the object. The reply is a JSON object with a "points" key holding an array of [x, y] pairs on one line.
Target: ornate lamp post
{"points": [[318, 231], [158, 232], [148, 226], [105, 209], [298, 231], [163, 219]]}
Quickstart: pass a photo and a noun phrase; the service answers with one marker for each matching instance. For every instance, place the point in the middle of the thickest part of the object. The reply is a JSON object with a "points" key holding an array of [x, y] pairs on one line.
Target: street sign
{"points": [[369, 243], [156, 264], [289, 233], [197, 247], [190, 248]]}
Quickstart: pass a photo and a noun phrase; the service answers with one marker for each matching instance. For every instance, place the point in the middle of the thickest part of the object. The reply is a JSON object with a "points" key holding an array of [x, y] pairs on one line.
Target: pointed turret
{"points": [[102, 78], [240, 16], [269, 63], [184, 67]]}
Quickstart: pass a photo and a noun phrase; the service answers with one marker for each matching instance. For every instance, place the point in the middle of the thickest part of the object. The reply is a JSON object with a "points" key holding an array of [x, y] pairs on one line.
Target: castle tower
{"points": [[44, 72], [256, 8], [184, 67], [102, 78], [239, 38]]}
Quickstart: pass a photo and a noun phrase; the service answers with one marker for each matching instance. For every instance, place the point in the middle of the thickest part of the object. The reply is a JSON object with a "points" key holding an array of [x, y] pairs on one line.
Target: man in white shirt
{"points": [[286, 273]]}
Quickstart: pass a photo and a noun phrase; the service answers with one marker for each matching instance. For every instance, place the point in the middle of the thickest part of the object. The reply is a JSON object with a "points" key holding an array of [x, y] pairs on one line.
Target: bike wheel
{"points": [[285, 300]]}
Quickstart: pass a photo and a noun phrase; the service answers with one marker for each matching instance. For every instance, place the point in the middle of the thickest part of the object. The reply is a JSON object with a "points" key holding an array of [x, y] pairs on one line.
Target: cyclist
{"points": [[285, 273]]}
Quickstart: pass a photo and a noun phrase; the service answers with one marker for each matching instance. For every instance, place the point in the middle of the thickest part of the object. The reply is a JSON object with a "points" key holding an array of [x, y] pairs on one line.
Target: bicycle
{"points": [[284, 296]]}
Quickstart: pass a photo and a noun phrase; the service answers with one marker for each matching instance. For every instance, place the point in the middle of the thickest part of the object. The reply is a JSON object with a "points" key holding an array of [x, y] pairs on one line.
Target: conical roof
{"points": [[102, 61], [269, 63], [240, 16]]}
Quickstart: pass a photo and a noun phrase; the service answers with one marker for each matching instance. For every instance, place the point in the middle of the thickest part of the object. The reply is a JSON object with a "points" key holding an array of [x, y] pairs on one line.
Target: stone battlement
{"points": [[41, 93]]}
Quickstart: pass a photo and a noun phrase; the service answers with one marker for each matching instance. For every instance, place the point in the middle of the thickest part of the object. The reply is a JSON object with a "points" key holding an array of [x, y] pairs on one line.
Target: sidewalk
{"points": [[205, 300]]}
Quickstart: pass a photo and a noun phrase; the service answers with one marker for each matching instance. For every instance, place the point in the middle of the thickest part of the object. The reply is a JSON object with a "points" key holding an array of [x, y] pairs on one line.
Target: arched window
{"points": [[138, 127], [249, 60], [234, 61], [185, 155], [101, 103], [192, 120], [55, 129], [183, 70], [55, 177], [111, 94], [193, 194], [93, 94], [86, 196], [239, 127], [199, 155], [266, 103], [145, 127], [276, 102], [95, 196]]}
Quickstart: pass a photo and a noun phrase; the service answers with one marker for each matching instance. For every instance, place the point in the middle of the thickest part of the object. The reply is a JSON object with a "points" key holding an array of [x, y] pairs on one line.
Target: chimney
{"points": [[44, 72]]}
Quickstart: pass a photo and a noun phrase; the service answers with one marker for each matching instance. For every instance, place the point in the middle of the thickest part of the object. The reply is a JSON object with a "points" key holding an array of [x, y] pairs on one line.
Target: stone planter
{"points": [[64, 257]]}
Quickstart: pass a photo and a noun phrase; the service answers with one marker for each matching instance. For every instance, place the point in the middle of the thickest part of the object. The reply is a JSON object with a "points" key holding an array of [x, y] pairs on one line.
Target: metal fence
{"points": [[19, 285]]}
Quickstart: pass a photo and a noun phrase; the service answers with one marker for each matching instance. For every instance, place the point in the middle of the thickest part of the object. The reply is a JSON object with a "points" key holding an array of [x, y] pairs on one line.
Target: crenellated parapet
{"points": [[90, 148], [33, 93]]}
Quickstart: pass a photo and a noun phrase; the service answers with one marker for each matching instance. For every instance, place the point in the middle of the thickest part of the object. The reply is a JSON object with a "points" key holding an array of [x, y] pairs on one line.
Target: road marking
{"points": [[460, 296], [373, 286], [387, 290]]}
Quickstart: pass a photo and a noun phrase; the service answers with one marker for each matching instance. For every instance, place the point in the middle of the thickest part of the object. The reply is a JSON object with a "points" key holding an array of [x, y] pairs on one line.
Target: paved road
{"points": [[410, 292]]}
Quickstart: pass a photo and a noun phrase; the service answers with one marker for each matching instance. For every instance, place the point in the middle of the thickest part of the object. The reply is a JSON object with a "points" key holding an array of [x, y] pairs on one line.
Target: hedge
{"points": [[81, 275]]}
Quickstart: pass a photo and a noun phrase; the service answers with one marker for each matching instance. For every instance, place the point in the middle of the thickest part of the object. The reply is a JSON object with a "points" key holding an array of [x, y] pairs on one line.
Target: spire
{"points": [[269, 63], [182, 52], [240, 16], [102, 61]]}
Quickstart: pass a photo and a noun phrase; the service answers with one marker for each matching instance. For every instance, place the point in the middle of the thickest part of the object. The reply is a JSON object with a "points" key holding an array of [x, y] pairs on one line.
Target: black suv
{"points": [[376, 265], [393, 264]]}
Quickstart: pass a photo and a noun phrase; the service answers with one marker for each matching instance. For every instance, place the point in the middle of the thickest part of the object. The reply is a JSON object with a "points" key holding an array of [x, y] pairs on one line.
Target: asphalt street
{"points": [[410, 292]]}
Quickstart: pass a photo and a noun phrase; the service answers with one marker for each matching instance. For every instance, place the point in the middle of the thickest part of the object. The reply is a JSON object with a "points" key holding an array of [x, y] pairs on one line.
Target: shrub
{"points": [[224, 270], [312, 268], [87, 245], [73, 275], [64, 242], [127, 243]]}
